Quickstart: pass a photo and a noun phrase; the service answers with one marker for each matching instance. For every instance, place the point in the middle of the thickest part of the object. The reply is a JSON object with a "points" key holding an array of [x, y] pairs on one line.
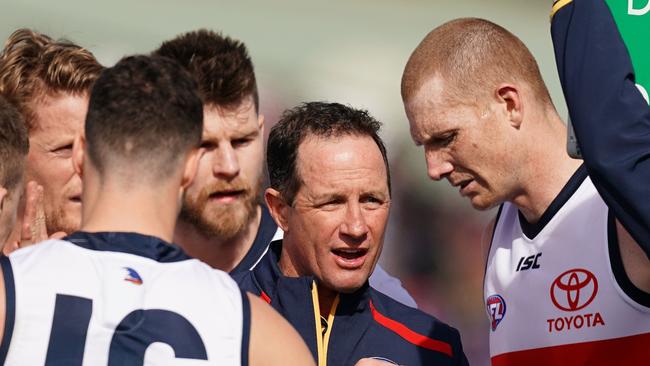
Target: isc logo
{"points": [[530, 262]]}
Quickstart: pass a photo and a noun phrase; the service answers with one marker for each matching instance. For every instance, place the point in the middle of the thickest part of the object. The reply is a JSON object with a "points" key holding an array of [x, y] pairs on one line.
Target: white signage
{"points": [[631, 10]]}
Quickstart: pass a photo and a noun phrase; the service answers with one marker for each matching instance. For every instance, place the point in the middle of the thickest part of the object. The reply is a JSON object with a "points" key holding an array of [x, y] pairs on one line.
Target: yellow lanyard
{"points": [[322, 340]]}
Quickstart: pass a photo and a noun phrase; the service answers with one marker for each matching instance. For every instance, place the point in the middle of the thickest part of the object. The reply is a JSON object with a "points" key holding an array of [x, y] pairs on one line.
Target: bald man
{"points": [[564, 280]]}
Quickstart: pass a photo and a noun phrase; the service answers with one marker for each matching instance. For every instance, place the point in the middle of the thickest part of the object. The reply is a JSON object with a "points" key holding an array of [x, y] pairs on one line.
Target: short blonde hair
{"points": [[472, 55], [33, 65]]}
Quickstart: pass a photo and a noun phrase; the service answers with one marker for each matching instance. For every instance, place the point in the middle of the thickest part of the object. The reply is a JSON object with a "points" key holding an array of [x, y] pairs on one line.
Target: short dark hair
{"points": [[144, 112], [219, 64], [14, 145], [313, 119]]}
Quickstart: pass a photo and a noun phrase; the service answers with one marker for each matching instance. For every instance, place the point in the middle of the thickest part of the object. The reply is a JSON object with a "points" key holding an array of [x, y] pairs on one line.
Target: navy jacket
{"points": [[366, 323], [610, 116]]}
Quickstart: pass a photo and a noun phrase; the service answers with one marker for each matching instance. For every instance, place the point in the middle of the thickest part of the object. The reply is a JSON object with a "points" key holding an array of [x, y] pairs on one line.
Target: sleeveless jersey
{"points": [[120, 299], [556, 292]]}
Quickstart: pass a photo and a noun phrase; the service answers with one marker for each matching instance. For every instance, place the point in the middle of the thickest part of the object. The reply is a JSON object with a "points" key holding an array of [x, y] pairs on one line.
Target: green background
{"points": [[635, 30]]}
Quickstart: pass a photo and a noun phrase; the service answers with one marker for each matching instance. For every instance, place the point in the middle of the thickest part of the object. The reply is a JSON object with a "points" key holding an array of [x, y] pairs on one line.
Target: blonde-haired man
{"points": [[49, 82]]}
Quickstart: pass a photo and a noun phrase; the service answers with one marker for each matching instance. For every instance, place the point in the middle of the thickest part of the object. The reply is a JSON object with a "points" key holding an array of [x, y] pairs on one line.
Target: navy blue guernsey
{"points": [[610, 116], [363, 324], [114, 298], [131, 243], [265, 234]]}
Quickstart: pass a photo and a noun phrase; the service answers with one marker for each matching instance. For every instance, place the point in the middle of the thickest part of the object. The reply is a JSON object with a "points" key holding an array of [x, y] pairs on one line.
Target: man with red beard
{"points": [[49, 82], [223, 221]]}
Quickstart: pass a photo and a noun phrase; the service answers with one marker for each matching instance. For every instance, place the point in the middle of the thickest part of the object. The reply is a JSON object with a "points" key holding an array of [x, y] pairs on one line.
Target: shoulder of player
{"points": [[45, 246], [412, 324]]}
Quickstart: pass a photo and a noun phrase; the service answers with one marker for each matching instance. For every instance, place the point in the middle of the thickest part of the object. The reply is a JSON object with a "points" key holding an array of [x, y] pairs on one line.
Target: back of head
{"points": [[14, 145], [473, 56], [33, 66], [143, 119], [220, 65], [320, 119]]}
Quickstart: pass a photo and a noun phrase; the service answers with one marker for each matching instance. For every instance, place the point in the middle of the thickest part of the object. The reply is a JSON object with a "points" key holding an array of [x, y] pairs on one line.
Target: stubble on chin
{"points": [[222, 221], [59, 219]]}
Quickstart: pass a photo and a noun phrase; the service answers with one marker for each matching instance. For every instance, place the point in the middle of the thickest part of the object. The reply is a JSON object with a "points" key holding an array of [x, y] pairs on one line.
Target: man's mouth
{"points": [[76, 199], [350, 258], [463, 185], [227, 196]]}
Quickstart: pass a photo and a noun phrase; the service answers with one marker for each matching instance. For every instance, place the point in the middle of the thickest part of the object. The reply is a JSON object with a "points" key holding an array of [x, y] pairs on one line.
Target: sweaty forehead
{"points": [[428, 109]]}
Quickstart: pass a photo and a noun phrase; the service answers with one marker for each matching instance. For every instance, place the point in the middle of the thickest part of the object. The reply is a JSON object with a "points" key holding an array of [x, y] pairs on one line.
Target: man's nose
{"points": [[225, 162], [354, 225], [438, 167]]}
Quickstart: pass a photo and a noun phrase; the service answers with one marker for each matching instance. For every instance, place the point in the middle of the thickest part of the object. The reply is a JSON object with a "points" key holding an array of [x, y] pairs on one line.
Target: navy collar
{"points": [[532, 230], [132, 243], [265, 233]]}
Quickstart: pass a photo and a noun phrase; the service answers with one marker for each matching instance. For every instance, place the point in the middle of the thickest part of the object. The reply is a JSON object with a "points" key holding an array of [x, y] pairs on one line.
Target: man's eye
{"points": [[63, 149], [330, 204], [240, 142], [371, 201], [208, 145], [444, 140]]}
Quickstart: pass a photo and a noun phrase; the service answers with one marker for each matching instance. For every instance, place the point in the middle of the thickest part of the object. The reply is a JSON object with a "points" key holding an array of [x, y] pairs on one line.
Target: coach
{"points": [[330, 194]]}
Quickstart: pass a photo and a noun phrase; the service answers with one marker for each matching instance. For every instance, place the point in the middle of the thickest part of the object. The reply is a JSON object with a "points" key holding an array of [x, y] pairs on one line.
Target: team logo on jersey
{"points": [[496, 308], [571, 291], [132, 276], [574, 289]]}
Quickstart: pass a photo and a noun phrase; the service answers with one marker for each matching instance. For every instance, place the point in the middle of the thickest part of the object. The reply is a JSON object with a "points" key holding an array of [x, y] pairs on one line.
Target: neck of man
{"points": [[220, 253], [548, 168], [139, 209], [326, 296]]}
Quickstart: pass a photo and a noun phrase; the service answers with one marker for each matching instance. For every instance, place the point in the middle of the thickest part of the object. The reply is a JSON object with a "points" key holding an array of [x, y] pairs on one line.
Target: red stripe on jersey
{"points": [[409, 335], [632, 350], [265, 297]]}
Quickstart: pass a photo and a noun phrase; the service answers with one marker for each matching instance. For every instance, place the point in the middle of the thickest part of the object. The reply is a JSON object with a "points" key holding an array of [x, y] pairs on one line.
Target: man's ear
{"points": [[511, 99], [78, 153], [278, 208], [191, 167]]}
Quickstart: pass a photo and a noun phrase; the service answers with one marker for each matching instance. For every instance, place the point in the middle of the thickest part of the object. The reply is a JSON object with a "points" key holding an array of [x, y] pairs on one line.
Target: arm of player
{"points": [[273, 341], [610, 116]]}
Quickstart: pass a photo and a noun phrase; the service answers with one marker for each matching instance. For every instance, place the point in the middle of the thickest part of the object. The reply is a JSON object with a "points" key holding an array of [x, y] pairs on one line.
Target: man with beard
{"points": [[222, 221], [49, 82], [120, 293]]}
